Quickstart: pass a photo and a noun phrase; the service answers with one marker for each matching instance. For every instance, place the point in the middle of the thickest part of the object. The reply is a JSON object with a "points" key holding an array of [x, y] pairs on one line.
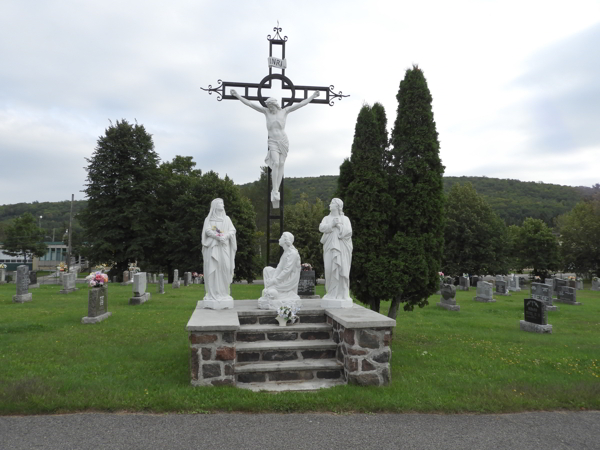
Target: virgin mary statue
{"points": [[218, 251]]}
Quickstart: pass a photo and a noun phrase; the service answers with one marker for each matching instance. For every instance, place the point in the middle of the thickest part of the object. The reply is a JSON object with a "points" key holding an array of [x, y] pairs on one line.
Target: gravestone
{"points": [[23, 294], [543, 292], [579, 285], [448, 298], [306, 284], [68, 282], [185, 278], [513, 284], [536, 317], [484, 292], [558, 283], [161, 284], [126, 279], [114, 279], [572, 284], [33, 281], [176, 279], [189, 278], [154, 279], [139, 289], [501, 288], [474, 281], [148, 278], [595, 284], [463, 283], [2, 276], [97, 305], [567, 295]]}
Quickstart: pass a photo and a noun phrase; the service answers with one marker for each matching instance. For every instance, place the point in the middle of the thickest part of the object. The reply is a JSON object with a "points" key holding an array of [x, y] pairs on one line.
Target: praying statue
{"points": [[281, 283], [277, 138], [337, 256], [218, 252]]}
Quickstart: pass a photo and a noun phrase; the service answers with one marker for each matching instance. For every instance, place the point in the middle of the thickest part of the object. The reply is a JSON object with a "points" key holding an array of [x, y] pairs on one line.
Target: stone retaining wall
{"points": [[212, 358]]}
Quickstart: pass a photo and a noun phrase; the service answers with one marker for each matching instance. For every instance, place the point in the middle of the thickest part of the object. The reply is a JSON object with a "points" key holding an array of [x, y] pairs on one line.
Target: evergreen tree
{"points": [[416, 235], [121, 184], [364, 190], [24, 237], [475, 237]]}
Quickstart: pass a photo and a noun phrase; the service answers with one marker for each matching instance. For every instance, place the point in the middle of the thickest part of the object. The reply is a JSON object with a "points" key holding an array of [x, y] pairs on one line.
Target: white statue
{"points": [[281, 283], [218, 252], [337, 256], [278, 141]]}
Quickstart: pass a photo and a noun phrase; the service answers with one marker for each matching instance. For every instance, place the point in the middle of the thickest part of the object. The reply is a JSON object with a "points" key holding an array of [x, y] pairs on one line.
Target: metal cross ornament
{"points": [[276, 116]]}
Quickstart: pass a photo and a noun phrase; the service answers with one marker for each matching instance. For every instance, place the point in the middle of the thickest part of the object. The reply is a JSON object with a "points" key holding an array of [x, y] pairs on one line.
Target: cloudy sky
{"points": [[515, 84]]}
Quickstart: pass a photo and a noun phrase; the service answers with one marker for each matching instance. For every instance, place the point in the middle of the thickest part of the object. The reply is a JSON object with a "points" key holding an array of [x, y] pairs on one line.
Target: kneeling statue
{"points": [[281, 283]]}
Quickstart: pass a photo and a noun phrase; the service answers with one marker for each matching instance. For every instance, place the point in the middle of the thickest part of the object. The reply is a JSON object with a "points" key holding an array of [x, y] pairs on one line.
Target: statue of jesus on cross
{"points": [[277, 141]]}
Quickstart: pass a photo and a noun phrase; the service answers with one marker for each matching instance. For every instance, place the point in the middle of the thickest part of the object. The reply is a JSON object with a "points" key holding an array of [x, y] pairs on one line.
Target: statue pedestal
{"points": [[336, 303], [218, 304]]}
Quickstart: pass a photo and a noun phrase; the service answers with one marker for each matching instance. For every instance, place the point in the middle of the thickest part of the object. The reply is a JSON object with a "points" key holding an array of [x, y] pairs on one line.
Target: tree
{"points": [[475, 237], [184, 196], [24, 237], [538, 248], [416, 225], [363, 187], [302, 220], [580, 236], [121, 190]]}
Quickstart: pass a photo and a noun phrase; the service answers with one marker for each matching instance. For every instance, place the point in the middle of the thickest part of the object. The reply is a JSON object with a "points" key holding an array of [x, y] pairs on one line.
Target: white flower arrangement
{"points": [[2, 266], [288, 312]]}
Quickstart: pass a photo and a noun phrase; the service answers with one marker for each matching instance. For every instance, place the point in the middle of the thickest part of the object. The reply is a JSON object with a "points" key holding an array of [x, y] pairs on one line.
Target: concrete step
{"points": [[296, 350], [310, 370], [298, 331], [284, 386]]}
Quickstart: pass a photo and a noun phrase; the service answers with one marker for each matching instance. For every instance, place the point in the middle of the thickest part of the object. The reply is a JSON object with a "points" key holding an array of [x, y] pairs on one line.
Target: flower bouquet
{"points": [[97, 279], [287, 313], [306, 267], [441, 275], [2, 266], [199, 276]]}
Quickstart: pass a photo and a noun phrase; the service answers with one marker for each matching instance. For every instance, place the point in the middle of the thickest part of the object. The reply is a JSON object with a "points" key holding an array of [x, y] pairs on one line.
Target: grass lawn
{"points": [[474, 360]]}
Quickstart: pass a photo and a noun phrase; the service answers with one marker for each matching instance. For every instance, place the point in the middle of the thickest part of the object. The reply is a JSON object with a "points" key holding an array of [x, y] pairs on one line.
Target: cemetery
{"points": [[285, 343]]}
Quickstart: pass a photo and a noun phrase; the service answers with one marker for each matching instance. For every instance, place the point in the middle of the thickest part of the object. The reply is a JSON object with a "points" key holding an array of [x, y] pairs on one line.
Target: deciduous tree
{"points": [[24, 237]]}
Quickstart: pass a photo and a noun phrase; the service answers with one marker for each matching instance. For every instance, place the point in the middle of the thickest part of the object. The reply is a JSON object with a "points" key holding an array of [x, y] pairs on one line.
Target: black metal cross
{"points": [[254, 92]]}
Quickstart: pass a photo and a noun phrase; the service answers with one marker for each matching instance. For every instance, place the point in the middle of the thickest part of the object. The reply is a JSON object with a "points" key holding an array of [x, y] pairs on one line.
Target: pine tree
{"points": [[121, 183], [363, 188], [416, 237]]}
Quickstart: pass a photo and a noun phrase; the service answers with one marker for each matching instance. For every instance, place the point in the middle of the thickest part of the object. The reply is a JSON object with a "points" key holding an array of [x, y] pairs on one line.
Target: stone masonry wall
{"points": [[365, 353], [212, 358]]}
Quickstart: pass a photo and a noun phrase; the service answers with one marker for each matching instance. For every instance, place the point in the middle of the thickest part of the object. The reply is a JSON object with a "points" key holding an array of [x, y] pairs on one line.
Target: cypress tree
{"points": [[416, 234], [363, 188]]}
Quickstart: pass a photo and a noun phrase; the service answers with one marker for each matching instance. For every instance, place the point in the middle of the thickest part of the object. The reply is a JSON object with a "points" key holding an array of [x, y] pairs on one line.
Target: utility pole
{"points": [[70, 233]]}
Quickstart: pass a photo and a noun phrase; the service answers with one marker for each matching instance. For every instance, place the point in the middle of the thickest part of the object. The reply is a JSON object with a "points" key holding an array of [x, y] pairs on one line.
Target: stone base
{"points": [[551, 308], [535, 328], [127, 283], [3, 282], [329, 303], [34, 286], [448, 306], [22, 298], [463, 288], [100, 318], [566, 302], [176, 285], [139, 300], [67, 291], [484, 300], [309, 297], [503, 295], [218, 304], [515, 290]]}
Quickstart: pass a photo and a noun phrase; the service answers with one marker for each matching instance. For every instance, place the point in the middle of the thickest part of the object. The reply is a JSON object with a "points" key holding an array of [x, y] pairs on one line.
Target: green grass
{"points": [[474, 360]]}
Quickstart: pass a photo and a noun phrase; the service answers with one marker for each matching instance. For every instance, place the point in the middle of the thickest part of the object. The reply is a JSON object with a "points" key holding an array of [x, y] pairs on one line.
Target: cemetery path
{"points": [[555, 430]]}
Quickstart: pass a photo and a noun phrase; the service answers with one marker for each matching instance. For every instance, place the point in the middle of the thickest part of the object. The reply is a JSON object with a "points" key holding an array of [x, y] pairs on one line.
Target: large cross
{"points": [[254, 92]]}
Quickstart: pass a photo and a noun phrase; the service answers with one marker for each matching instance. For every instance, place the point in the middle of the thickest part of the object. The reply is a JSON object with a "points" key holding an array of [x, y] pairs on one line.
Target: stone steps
{"points": [[326, 371]]}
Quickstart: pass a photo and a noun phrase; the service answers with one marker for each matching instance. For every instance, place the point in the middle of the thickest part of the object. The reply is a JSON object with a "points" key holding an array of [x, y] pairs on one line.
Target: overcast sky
{"points": [[515, 83]]}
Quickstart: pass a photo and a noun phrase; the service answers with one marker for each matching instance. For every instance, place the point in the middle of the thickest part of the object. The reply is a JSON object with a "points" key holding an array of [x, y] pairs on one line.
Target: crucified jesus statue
{"points": [[278, 141]]}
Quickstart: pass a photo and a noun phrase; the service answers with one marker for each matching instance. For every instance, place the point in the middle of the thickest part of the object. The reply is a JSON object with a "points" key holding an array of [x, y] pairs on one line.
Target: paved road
{"points": [[545, 430]]}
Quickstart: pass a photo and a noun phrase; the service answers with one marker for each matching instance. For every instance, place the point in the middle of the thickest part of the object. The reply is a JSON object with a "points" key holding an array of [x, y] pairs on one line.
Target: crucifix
{"points": [[276, 115]]}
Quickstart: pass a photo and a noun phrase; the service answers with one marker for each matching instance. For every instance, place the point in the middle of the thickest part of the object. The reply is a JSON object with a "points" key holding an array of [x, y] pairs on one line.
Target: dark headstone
{"points": [[306, 285], [535, 311], [32, 277]]}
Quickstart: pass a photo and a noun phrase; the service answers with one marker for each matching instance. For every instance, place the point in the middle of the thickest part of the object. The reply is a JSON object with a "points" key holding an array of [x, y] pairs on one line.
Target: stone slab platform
{"points": [[227, 320], [535, 328], [100, 318]]}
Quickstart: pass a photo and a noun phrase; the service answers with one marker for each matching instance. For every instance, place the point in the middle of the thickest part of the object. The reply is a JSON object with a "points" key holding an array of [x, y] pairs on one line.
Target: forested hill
{"points": [[512, 200]]}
